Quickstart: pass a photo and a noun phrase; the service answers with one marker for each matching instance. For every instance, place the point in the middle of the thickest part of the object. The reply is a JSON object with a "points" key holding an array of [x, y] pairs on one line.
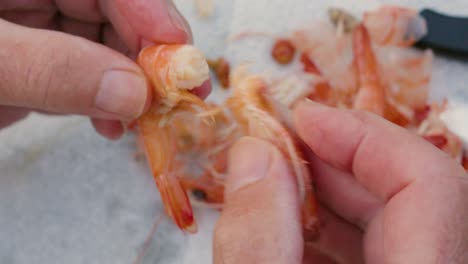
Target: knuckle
{"points": [[12, 71], [362, 116], [45, 70], [38, 75]]}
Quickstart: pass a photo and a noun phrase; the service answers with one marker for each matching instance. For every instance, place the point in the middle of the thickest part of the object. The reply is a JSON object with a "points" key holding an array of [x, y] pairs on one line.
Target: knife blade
{"points": [[444, 32]]}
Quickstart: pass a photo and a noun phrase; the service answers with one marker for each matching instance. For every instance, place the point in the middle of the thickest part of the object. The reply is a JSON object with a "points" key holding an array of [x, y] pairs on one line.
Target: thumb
{"points": [[142, 22], [261, 219], [55, 72]]}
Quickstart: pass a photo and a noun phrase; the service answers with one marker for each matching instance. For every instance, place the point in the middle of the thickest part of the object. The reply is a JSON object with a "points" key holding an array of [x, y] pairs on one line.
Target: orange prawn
{"points": [[394, 25], [173, 71], [255, 114], [187, 153], [371, 94], [434, 130], [204, 155]]}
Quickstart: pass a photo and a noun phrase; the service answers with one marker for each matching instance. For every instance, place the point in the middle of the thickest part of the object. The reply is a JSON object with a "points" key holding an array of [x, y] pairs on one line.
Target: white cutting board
{"points": [[69, 196]]}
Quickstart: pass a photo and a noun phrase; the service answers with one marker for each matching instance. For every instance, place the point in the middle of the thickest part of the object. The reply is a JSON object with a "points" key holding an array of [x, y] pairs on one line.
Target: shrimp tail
{"points": [[158, 148], [181, 210]]}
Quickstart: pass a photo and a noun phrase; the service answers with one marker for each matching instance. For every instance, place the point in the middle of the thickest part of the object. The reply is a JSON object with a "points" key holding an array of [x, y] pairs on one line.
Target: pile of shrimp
{"points": [[378, 71], [346, 63]]}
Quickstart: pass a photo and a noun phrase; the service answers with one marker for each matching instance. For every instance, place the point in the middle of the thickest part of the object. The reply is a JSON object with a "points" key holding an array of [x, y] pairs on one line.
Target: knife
{"points": [[445, 33]]}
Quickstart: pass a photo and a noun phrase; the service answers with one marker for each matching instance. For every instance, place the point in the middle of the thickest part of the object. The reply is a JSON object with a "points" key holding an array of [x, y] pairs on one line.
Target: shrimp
{"points": [[434, 130], [173, 71], [256, 117], [204, 156], [343, 20], [371, 94], [408, 73], [287, 90], [377, 71], [323, 91], [364, 65], [396, 26], [331, 54], [187, 154]]}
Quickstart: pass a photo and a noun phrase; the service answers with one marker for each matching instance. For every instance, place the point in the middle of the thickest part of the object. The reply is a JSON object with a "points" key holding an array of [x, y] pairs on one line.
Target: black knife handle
{"points": [[445, 32]]}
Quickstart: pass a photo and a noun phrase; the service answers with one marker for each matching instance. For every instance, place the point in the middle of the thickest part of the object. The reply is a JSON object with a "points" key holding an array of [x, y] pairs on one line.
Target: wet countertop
{"points": [[70, 196]]}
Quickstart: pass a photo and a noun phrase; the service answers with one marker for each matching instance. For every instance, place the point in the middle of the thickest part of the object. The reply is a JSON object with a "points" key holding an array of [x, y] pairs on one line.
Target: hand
{"points": [[391, 197], [84, 69]]}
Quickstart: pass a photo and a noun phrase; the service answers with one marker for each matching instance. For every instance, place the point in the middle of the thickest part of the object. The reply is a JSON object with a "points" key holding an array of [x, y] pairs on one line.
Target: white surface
{"points": [[456, 118], [69, 196]]}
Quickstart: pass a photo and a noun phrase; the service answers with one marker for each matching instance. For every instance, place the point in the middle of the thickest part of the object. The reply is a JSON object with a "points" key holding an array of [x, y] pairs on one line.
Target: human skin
{"points": [[387, 197], [77, 57]]}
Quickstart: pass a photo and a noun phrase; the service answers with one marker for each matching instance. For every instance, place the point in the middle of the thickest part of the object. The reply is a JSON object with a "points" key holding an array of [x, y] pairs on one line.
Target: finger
{"points": [[114, 41], [34, 19], [340, 242], [85, 10], [260, 222], [313, 256], [339, 191], [383, 157], [143, 22], [27, 5], [10, 115], [55, 72], [90, 31], [110, 129], [87, 30]]}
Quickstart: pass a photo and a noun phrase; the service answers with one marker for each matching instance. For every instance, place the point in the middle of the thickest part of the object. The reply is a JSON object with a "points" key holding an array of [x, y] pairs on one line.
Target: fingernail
{"points": [[249, 162], [122, 93], [307, 105], [312, 103], [179, 21]]}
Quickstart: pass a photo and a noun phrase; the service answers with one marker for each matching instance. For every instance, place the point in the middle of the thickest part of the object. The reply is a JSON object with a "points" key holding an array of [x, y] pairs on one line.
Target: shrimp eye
{"points": [[283, 51], [199, 194]]}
